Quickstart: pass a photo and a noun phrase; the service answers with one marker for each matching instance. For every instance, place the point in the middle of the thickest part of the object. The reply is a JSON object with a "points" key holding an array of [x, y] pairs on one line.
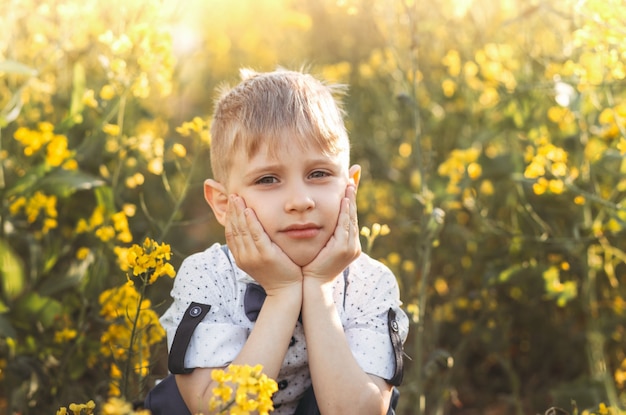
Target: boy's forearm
{"points": [[341, 386], [269, 340], [266, 345]]}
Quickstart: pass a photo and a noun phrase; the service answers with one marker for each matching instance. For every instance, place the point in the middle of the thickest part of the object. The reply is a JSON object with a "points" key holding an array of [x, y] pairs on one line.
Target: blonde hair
{"points": [[276, 109]]}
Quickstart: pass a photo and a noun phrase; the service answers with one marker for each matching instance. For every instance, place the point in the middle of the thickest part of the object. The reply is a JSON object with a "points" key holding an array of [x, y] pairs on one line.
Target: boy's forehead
{"points": [[283, 150]]}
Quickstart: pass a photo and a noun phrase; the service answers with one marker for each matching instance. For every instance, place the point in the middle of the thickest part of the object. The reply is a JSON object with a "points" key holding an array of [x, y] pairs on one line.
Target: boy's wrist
{"points": [[291, 292], [313, 286]]}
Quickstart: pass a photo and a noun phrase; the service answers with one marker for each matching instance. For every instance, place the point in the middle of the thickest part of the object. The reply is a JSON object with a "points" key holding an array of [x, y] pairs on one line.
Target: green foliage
{"points": [[492, 136]]}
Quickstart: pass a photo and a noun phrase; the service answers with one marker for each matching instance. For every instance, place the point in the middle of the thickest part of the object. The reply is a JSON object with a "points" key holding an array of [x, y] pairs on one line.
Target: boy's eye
{"points": [[319, 174], [267, 180]]}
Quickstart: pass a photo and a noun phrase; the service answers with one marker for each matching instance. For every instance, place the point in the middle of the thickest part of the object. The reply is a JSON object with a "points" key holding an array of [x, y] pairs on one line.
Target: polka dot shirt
{"points": [[362, 297]]}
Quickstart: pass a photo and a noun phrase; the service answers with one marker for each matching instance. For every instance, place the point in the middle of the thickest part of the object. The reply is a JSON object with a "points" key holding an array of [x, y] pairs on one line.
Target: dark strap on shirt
{"points": [[192, 317], [253, 301], [396, 342]]}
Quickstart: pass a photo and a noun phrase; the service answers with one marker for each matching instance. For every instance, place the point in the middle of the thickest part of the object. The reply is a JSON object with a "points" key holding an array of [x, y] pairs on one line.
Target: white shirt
{"points": [[211, 277]]}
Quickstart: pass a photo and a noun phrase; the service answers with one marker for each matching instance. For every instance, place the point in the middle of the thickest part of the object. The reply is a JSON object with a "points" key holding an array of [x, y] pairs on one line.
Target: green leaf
{"points": [[25, 184], [72, 277], [12, 109], [6, 328], [64, 183], [78, 91], [506, 275], [14, 67], [104, 197], [12, 276], [34, 308]]}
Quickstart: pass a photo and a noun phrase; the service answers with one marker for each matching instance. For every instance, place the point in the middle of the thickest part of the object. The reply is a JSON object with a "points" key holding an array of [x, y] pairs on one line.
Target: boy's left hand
{"points": [[343, 247]]}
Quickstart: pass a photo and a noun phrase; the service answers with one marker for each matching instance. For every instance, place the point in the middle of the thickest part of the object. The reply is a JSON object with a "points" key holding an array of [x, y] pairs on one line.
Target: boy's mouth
{"points": [[302, 231]]}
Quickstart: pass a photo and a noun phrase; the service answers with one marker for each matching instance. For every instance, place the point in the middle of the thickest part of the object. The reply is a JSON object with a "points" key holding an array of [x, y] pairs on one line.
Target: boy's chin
{"points": [[302, 259]]}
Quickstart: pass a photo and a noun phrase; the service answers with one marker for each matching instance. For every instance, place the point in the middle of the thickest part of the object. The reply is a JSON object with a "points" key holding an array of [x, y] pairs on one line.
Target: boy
{"points": [[285, 194]]}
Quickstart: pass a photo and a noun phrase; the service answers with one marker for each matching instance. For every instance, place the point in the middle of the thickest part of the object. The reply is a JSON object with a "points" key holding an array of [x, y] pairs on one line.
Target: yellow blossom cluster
{"points": [[564, 118], [547, 160], [460, 164], [64, 335], [556, 289], [123, 303], [141, 59], [78, 408], [113, 406], [613, 125], [374, 232], [492, 68], [601, 40], [57, 152], [35, 207], [604, 410], [106, 229], [253, 391], [134, 327], [148, 261], [197, 125]]}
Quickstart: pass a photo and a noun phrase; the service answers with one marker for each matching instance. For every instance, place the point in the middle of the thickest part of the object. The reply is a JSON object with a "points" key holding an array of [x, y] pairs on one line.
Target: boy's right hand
{"points": [[255, 253]]}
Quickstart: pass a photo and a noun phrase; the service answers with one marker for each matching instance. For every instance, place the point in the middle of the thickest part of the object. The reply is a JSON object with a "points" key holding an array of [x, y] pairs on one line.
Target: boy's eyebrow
{"points": [[263, 169]]}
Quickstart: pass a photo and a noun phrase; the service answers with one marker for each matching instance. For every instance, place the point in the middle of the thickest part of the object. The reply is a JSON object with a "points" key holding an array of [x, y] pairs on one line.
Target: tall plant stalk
{"points": [[431, 219]]}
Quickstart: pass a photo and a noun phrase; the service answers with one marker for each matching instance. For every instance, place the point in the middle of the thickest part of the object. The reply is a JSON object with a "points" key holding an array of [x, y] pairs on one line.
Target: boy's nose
{"points": [[299, 200]]}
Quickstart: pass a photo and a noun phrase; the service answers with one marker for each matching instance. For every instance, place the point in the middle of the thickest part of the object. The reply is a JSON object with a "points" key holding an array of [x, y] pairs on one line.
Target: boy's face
{"points": [[296, 195]]}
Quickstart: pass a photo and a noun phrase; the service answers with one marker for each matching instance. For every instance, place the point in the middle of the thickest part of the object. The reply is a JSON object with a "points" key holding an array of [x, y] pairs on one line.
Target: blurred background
{"points": [[492, 137]]}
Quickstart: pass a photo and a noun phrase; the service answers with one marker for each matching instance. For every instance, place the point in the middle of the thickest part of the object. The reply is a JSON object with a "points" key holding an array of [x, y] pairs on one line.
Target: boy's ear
{"points": [[355, 174], [216, 196]]}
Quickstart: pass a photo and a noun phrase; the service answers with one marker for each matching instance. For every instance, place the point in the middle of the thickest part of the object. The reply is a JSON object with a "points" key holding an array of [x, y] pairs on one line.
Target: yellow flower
{"points": [[556, 186], [111, 129], [105, 233], [149, 260], [31, 140], [413, 311], [253, 391], [534, 170], [448, 87], [56, 151], [486, 188], [89, 99], [17, 205], [196, 125], [39, 206], [82, 252], [97, 217], [474, 171], [179, 150], [540, 186], [116, 406], [64, 335], [107, 92]]}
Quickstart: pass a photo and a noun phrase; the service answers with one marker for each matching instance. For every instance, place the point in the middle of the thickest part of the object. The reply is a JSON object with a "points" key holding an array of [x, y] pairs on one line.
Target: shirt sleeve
{"points": [[373, 290], [208, 278]]}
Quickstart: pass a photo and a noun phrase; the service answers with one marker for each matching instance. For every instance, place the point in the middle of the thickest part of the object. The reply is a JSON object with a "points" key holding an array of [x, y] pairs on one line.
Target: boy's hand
{"points": [[343, 247], [255, 253]]}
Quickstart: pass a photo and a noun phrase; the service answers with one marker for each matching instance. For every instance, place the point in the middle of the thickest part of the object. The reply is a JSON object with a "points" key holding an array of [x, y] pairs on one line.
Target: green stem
{"points": [[2, 187], [120, 123], [419, 336], [426, 245], [127, 369], [181, 198]]}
